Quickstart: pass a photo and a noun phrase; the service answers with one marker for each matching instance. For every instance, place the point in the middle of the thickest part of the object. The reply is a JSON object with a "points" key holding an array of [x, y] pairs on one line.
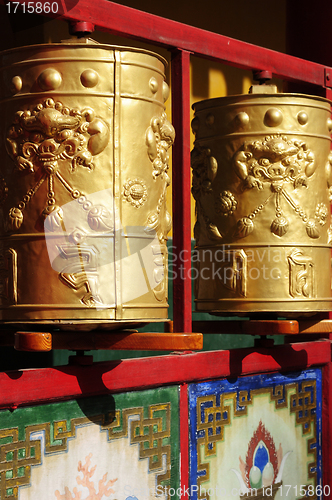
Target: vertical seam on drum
{"points": [[116, 184]]}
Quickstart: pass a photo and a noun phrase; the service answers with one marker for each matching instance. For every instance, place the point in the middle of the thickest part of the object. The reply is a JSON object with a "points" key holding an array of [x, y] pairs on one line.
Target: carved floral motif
{"points": [[135, 192], [226, 203]]}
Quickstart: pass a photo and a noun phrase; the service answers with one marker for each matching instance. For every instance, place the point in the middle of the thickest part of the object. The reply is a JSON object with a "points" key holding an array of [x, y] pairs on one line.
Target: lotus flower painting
{"points": [[263, 466]]}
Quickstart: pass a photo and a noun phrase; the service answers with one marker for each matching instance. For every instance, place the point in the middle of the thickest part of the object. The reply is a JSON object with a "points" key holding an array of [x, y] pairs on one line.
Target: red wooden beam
{"points": [[132, 23], [181, 184], [327, 426], [20, 388]]}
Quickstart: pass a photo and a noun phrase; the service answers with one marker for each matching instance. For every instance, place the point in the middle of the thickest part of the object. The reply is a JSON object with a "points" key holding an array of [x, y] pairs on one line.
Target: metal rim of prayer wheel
{"points": [[83, 181], [262, 184]]}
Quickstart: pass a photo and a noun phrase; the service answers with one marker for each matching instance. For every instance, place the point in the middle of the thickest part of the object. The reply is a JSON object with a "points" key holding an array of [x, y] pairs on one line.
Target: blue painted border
{"points": [[218, 387]]}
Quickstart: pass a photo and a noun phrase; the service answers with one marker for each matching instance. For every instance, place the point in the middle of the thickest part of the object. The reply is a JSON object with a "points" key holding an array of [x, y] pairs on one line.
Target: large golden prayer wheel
{"points": [[262, 184], [84, 160]]}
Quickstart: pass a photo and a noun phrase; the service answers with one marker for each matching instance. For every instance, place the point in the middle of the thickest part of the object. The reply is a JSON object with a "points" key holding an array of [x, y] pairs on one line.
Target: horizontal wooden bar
{"points": [[95, 340], [309, 327], [264, 327], [270, 327], [25, 387], [169, 341], [132, 23], [250, 327], [33, 341]]}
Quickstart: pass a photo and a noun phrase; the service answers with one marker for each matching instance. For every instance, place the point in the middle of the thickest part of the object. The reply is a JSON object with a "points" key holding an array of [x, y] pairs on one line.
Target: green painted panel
{"points": [[118, 446]]}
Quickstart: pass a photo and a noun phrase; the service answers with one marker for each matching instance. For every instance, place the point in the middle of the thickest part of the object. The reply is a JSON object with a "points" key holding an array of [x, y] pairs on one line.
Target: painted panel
{"points": [[122, 446], [256, 437]]}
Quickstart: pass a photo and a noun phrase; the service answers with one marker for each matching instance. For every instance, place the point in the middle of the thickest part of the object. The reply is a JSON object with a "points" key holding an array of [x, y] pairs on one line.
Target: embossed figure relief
{"points": [[160, 276], [44, 139], [159, 138], [328, 172], [277, 161], [8, 276], [78, 276], [301, 275], [79, 241], [235, 271], [205, 167]]}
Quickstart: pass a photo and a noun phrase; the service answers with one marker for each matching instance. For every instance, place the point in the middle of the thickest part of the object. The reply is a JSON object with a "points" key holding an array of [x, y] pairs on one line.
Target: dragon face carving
{"points": [[52, 132], [47, 139], [276, 159]]}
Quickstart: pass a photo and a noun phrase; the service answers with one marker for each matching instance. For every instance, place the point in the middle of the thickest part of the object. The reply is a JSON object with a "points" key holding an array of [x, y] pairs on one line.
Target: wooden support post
{"points": [[181, 182]]}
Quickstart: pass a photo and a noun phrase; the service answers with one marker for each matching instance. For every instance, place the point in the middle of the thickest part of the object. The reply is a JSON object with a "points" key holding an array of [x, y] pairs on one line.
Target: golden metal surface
{"points": [[262, 184], [84, 147]]}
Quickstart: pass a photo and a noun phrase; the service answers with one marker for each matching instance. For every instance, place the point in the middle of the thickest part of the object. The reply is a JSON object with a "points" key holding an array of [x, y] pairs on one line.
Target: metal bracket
{"points": [[328, 77]]}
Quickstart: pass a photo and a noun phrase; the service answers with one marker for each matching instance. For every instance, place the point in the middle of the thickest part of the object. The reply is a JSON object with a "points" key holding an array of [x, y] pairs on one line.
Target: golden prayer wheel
{"points": [[84, 160], [262, 184]]}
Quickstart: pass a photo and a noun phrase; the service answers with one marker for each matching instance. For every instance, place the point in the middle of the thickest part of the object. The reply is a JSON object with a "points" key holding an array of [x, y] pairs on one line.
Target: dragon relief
{"points": [[278, 161], [44, 138], [44, 142]]}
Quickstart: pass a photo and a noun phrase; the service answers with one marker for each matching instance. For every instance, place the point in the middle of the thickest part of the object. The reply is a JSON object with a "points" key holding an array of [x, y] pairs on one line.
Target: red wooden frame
{"points": [[21, 388], [30, 387]]}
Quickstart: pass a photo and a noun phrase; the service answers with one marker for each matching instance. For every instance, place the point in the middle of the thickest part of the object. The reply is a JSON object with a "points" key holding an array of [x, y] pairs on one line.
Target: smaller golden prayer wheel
{"points": [[262, 183], [83, 179]]}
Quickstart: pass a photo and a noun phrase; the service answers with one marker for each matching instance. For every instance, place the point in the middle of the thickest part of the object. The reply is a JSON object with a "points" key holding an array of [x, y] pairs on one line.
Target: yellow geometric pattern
{"points": [[148, 432], [18, 456]]}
